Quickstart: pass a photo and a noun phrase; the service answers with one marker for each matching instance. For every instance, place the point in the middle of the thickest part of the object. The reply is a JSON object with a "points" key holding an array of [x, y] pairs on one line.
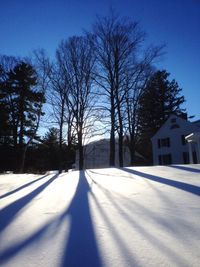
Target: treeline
{"points": [[104, 81]]}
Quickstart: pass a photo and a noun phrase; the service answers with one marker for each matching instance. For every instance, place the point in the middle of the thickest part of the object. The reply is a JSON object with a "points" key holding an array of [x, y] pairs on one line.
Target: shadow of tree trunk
{"points": [[81, 249]]}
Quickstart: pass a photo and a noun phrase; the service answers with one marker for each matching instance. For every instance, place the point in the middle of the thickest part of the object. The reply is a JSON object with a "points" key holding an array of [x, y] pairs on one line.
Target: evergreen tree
{"points": [[4, 110], [23, 104], [160, 98], [4, 124], [50, 148]]}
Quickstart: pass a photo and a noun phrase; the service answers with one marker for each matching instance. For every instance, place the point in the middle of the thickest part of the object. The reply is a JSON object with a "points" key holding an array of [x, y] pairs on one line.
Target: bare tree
{"points": [[58, 110], [136, 80], [116, 42], [57, 98], [77, 59]]}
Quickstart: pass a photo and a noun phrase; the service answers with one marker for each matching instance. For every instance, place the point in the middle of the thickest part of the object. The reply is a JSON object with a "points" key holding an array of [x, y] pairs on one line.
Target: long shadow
{"points": [[180, 185], [8, 213], [125, 215], [81, 249], [81, 246], [185, 168], [13, 250], [109, 175], [123, 249], [22, 187]]}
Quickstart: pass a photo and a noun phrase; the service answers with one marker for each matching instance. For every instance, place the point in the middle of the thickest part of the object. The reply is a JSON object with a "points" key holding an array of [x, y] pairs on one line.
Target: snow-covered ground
{"points": [[142, 216]]}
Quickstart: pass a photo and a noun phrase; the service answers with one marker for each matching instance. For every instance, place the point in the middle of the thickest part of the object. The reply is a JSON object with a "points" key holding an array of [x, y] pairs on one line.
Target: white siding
{"points": [[174, 131]]}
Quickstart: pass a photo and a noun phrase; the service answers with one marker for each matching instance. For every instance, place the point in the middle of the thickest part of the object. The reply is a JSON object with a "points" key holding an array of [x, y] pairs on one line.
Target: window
{"points": [[174, 126], [194, 154], [164, 142], [183, 139], [160, 159], [165, 159], [173, 120], [158, 143], [186, 159]]}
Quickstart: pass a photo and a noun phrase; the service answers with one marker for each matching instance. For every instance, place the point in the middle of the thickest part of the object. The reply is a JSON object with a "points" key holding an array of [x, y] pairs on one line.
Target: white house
{"points": [[177, 142]]}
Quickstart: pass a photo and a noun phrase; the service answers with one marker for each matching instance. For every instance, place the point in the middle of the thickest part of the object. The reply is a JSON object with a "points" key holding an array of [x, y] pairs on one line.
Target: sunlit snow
{"points": [[141, 216]]}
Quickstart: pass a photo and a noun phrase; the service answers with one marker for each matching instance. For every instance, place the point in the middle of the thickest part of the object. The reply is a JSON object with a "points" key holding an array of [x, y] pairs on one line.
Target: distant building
{"points": [[97, 153], [177, 142]]}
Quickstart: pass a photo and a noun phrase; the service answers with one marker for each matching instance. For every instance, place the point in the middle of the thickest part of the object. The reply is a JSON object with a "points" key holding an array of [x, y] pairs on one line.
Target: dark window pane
{"points": [[158, 143], [186, 158], [183, 139]]}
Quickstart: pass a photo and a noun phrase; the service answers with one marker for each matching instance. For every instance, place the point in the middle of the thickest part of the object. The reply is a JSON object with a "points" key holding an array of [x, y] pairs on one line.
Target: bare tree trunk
{"points": [[80, 150], [121, 156], [23, 157], [112, 132], [112, 146], [61, 136], [132, 150], [120, 133], [81, 158]]}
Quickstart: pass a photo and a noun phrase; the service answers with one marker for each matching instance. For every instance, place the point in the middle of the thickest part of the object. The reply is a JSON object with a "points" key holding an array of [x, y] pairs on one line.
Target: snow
{"points": [[140, 216]]}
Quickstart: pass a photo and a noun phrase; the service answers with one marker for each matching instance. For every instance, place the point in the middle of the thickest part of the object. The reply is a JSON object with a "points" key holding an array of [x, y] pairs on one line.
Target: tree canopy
{"points": [[22, 104], [160, 98]]}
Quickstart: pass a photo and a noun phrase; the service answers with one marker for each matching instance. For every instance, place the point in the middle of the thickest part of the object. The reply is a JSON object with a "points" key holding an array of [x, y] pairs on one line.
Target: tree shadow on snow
{"points": [[81, 249], [22, 187], [8, 213], [177, 184], [124, 213], [13, 250], [185, 168], [81, 246]]}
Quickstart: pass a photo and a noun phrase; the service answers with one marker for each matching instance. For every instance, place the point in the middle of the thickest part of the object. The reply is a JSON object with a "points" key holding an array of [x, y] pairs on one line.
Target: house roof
{"points": [[180, 120]]}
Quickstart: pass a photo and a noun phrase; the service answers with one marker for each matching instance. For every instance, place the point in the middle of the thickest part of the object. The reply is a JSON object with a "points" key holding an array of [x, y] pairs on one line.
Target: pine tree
{"points": [[160, 98], [4, 125], [24, 103], [4, 110]]}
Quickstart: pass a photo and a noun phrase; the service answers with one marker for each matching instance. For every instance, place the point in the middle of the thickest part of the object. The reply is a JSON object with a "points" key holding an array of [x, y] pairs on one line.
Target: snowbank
{"points": [[143, 216]]}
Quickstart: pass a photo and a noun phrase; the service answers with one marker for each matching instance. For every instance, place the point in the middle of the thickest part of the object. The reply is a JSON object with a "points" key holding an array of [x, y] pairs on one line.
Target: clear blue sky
{"points": [[26, 25]]}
